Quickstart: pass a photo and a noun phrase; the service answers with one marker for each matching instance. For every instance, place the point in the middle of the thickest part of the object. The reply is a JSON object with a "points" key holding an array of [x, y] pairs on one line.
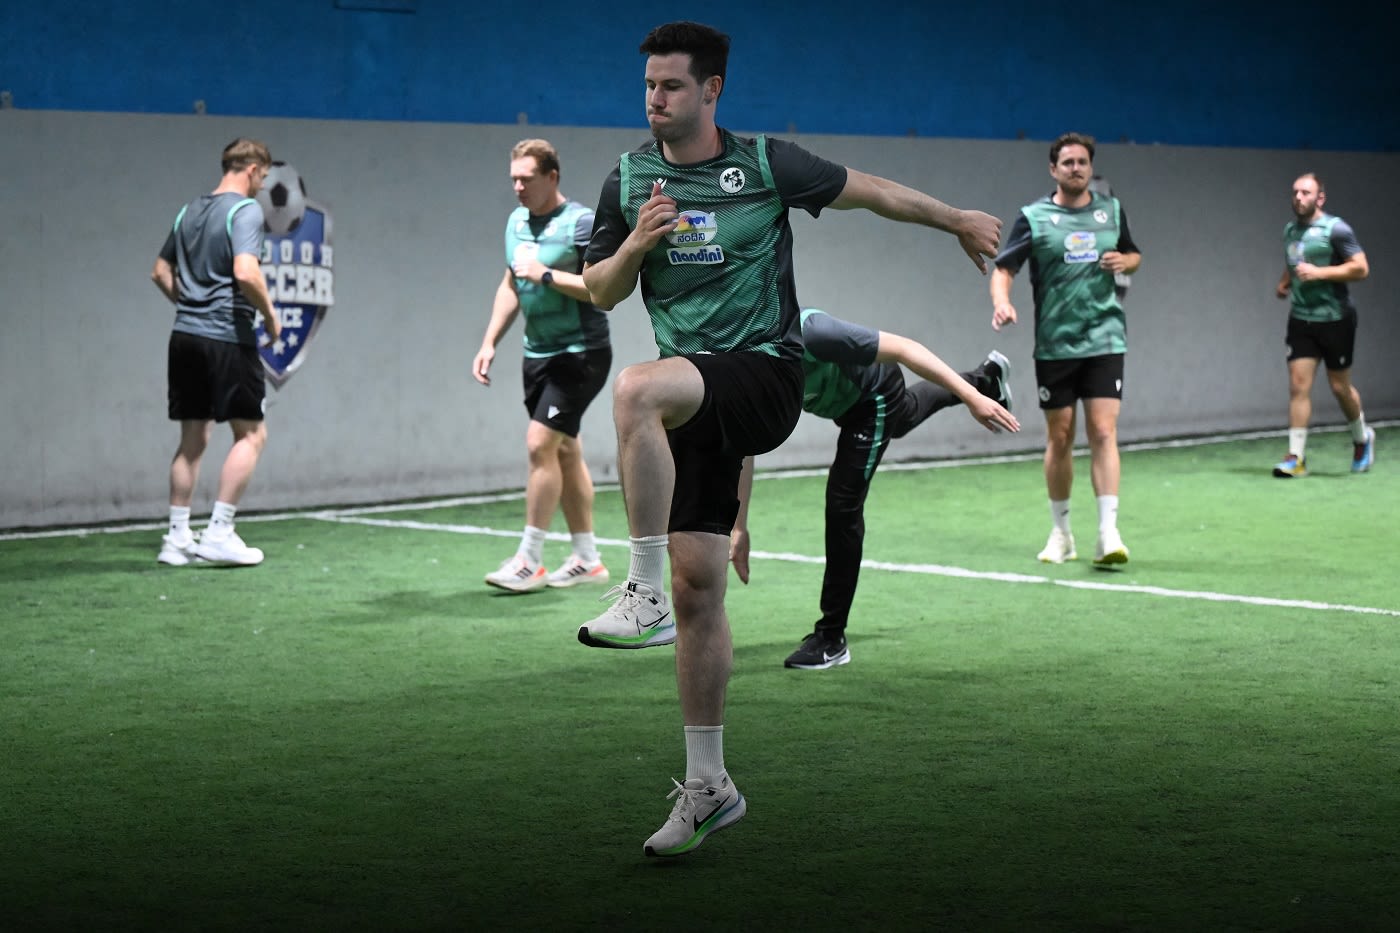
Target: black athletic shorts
{"points": [[213, 380], [1333, 342], [1060, 383], [559, 389], [752, 403]]}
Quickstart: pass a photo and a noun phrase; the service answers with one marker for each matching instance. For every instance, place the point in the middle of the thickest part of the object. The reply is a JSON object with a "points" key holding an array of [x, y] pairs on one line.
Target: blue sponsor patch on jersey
{"points": [[1081, 246], [693, 228]]}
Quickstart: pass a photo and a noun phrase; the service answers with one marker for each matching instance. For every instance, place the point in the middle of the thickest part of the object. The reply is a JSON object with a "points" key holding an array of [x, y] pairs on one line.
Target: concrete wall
{"points": [[385, 407]]}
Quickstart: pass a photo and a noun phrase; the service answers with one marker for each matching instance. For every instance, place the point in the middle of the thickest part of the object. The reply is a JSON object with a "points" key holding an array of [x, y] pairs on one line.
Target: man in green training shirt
{"points": [[700, 217], [1321, 255], [1077, 243], [853, 376], [567, 356]]}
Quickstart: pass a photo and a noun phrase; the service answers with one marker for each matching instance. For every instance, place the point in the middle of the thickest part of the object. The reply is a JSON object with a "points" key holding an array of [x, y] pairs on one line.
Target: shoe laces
{"points": [[627, 597], [576, 566], [685, 798], [514, 564]]}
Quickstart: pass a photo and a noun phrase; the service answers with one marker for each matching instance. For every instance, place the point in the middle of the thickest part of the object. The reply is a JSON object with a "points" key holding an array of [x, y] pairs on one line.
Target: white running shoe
{"points": [[639, 618], [176, 553], [701, 808], [519, 575], [1058, 549], [576, 571], [1110, 549], [227, 550]]}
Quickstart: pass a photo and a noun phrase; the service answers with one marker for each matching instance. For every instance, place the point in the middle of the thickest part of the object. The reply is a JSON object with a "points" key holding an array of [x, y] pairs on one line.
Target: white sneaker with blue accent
{"points": [[1364, 454]]}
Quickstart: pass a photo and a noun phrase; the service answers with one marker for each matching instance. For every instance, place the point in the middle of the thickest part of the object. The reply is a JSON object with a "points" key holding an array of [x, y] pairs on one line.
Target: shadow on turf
{"points": [[468, 605], [1266, 473]]}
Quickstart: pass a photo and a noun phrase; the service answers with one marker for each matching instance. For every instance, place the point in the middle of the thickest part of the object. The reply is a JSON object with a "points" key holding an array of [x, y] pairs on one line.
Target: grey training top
{"points": [[207, 233]]}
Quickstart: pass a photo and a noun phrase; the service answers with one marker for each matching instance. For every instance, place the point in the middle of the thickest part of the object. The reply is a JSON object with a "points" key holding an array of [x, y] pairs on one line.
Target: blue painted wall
{"points": [[1280, 75]]}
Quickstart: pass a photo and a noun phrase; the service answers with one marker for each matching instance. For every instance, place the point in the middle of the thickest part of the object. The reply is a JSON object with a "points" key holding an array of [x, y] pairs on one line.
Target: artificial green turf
{"points": [[360, 735]]}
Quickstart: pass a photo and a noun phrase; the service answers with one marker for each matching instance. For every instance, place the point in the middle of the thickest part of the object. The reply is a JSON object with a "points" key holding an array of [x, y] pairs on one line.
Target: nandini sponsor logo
{"points": [[1081, 246], [695, 255], [693, 228]]}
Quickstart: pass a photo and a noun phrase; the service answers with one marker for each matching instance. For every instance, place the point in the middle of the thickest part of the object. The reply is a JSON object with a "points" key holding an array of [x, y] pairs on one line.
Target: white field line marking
{"points": [[359, 515], [938, 570], [428, 505]]}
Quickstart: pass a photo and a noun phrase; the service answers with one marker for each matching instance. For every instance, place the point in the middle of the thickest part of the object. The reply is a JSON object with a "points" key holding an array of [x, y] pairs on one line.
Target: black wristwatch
{"points": [[548, 277]]}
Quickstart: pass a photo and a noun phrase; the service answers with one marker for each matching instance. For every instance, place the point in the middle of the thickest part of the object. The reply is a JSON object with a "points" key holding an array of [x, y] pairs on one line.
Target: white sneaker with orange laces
{"points": [[519, 575], [576, 571]]}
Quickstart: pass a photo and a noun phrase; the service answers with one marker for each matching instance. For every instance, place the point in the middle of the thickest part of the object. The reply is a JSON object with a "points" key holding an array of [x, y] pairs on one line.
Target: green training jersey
{"points": [[1326, 240], [1077, 311], [839, 365], [554, 322], [722, 280]]}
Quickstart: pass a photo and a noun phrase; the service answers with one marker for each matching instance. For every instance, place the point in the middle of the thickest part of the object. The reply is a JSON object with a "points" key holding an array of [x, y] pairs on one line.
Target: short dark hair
{"points": [[707, 47], [243, 152], [1071, 139], [1321, 188]]}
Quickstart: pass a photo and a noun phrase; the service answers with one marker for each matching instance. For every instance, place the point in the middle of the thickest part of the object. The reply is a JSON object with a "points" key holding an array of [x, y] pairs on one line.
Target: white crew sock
{"points": [[180, 522], [704, 752], [649, 562], [1108, 513], [1358, 429], [585, 546], [1059, 514], [1297, 442], [532, 545], [221, 520]]}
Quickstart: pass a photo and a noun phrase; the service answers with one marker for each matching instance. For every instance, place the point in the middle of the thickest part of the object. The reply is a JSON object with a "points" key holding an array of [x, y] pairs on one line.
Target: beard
{"points": [[674, 129]]}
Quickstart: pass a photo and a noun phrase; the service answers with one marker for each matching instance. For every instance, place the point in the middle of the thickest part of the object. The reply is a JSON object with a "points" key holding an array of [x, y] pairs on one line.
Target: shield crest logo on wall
{"points": [[298, 262]]}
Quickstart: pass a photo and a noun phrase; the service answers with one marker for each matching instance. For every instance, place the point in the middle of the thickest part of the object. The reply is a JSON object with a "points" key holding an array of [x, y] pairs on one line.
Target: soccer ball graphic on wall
{"points": [[283, 199], [298, 262]]}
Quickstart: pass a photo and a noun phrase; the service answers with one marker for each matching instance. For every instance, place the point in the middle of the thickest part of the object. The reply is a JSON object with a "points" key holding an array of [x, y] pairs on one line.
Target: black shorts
{"points": [[213, 380], [559, 389], [1333, 342], [752, 403], [1060, 383]]}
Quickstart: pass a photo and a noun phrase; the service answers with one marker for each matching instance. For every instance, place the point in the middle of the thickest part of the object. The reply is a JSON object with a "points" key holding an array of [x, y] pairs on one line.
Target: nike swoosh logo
{"points": [[715, 807], [659, 619], [828, 658]]}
